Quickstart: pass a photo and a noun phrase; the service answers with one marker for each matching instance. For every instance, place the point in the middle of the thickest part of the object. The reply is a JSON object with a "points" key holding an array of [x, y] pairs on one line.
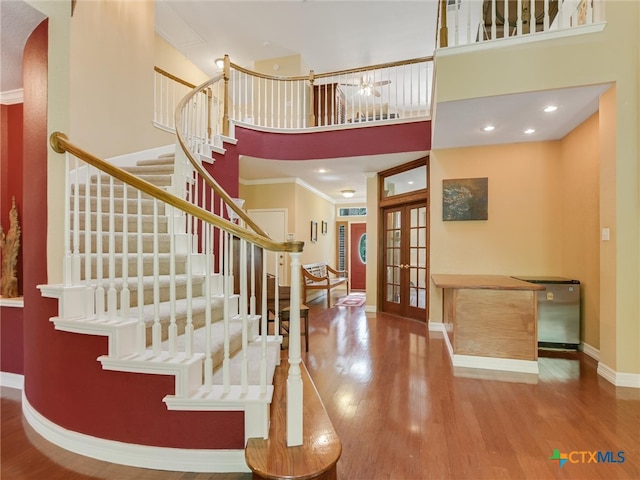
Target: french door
{"points": [[405, 264]]}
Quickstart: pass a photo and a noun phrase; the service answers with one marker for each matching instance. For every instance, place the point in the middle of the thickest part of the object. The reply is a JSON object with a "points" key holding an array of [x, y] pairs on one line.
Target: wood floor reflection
{"points": [[401, 413]]}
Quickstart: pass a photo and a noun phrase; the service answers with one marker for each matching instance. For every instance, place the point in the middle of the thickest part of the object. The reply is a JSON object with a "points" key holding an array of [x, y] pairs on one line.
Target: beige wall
{"points": [[302, 206], [171, 60], [567, 62], [112, 59], [580, 172], [522, 235]]}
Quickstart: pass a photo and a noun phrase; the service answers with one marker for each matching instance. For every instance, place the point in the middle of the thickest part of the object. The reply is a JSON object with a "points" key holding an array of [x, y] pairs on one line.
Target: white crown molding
{"points": [[12, 380], [302, 183], [12, 97], [144, 456]]}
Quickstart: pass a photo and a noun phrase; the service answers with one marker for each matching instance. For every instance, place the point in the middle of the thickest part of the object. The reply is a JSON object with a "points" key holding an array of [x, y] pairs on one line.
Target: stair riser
{"points": [[158, 180], [164, 292], [145, 207], [164, 267], [132, 242], [147, 223]]}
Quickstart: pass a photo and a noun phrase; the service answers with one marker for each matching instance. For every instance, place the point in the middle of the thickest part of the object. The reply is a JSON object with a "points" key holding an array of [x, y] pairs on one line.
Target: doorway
{"points": [[358, 256], [404, 241]]}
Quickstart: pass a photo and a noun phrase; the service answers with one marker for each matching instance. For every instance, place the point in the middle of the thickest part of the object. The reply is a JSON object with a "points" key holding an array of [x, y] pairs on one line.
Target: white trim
{"points": [[370, 309], [493, 363], [157, 458], [619, 379], [17, 302], [485, 363], [12, 97], [325, 128], [12, 380], [519, 40], [591, 351], [302, 183]]}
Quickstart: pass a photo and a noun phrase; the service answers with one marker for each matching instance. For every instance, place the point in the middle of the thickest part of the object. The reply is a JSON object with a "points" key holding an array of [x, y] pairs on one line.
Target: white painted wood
{"points": [[294, 378], [12, 380], [619, 379], [143, 456]]}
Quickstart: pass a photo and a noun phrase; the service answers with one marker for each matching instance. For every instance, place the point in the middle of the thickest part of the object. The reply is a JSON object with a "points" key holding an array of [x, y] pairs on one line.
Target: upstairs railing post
{"points": [[294, 380], [312, 96], [225, 115], [444, 30]]}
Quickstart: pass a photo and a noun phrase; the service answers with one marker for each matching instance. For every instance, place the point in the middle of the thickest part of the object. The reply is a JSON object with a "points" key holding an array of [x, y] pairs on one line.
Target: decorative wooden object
{"points": [[10, 244]]}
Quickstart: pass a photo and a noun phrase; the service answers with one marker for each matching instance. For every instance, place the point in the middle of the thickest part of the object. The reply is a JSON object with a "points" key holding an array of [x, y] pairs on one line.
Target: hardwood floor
{"points": [[401, 413]]}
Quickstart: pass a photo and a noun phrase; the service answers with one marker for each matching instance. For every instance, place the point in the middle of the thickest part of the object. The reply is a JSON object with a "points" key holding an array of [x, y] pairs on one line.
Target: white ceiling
{"points": [[330, 35]]}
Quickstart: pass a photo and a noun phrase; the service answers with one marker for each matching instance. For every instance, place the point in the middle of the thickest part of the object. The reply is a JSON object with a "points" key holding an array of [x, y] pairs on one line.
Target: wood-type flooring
{"points": [[401, 412]]}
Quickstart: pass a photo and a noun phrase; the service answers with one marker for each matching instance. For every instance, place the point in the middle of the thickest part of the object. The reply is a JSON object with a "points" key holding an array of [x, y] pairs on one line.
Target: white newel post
{"points": [[294, 379]]}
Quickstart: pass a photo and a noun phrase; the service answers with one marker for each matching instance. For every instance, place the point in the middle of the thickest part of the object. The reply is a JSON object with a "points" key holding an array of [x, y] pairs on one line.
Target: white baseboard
{"points": [[484, 363], [12, 380], [619, 379], [144, 456], [591, 351]]}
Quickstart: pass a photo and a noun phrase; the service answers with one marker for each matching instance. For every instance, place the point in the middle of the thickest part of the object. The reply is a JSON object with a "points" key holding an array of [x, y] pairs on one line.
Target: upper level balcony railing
{"points": [[386, 92], [467, 22]]}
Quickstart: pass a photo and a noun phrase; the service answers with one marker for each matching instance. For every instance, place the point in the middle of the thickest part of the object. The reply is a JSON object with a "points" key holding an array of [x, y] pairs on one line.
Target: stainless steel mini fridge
{"points": [[558, 311]]}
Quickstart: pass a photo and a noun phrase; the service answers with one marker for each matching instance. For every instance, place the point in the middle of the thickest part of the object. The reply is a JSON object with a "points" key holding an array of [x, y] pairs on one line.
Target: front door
{"points": [[405, 260], [358, 256]]}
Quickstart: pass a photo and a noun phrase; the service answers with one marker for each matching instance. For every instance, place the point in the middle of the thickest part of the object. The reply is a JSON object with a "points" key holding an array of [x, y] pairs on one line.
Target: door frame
{"points": [[400, 200]]}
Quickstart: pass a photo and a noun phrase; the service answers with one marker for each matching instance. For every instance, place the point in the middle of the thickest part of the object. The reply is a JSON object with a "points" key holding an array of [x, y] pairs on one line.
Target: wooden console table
{"points": [[490, 321]]}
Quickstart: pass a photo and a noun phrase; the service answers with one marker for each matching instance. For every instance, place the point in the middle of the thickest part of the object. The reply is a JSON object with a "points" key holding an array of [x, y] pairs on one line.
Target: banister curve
{"points": [[60, 144]]}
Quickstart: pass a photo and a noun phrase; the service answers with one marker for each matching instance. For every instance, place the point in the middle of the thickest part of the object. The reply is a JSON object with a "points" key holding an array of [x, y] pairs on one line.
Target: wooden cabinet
{"points": [[328, 104]]}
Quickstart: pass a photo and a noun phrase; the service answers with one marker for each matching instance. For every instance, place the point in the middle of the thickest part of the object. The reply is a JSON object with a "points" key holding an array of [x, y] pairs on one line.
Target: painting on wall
{"points": [[465, 199], [314, 231]]}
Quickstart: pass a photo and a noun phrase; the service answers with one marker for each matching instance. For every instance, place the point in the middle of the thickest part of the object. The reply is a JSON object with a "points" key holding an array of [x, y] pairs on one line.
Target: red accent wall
{"points": [[11, 334], [63, 380], [352, 142]]}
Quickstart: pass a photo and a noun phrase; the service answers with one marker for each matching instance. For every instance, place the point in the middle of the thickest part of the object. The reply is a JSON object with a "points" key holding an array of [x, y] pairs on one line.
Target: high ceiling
{"points": [[329, 35]]}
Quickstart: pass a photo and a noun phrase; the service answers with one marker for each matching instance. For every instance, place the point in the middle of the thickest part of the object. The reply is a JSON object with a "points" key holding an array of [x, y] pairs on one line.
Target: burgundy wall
{"points": [[374, 140], [11, 334]]}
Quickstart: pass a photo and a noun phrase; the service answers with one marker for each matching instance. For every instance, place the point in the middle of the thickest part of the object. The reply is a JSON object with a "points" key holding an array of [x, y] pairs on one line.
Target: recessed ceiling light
{"points": [[410, 182], [550, 108], [489, 128], [322, 170], [529, 131]]}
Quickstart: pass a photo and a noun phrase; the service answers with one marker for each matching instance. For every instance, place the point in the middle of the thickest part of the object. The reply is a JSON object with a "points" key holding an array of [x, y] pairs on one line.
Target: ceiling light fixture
{"points": [[219, 63], [529, 131], [348, 193], [489, 128], [550, 108]]}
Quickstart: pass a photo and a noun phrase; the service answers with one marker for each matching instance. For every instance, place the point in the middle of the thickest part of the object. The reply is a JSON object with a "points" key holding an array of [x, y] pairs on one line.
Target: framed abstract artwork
{"points": [[465, 199]]}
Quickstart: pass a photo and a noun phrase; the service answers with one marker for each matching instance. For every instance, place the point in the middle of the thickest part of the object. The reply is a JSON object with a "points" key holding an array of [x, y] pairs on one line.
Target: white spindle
{"points": [[141, 330], [264, 325], [546, 16], [226, 311], [532, 18], [493, 20], [207, 232], [67, 267], [157, 327], [244, 369], [125, 294], [173, 327], [112, 297], [519, 21], [100, 293], [188, 331], [89, 294], [506, 19], [456, 23]]}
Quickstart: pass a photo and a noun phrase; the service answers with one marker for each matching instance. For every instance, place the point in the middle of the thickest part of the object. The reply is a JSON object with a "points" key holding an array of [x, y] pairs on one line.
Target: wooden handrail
{"points": [[203, 173], [60, 144], [173, 77], [373, 67]]}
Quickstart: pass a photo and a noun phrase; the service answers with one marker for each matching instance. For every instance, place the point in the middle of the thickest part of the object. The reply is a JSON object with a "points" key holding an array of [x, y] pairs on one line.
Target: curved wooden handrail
{"points": [[203, 173], [61, 144], [373, 67]]}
